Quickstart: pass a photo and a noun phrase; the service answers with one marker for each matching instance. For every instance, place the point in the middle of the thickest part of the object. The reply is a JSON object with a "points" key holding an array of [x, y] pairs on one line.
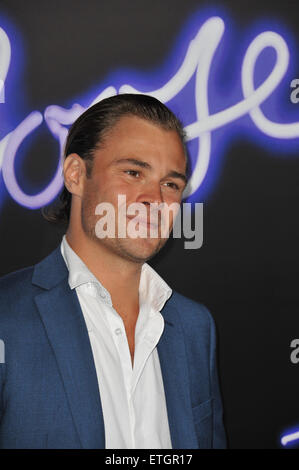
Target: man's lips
{"points": [[144, 222]]}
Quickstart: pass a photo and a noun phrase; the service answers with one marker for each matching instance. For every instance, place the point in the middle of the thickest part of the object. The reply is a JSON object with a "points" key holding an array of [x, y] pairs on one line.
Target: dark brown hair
{"points": [[87, 134]]}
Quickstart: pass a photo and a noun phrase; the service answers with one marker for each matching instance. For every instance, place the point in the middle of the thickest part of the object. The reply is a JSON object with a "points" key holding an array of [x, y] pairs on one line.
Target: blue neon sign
{"points": [[194, 70]]}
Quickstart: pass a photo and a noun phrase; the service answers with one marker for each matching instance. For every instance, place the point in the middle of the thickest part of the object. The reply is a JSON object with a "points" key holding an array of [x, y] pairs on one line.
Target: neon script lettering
{"points": [[197, 63]]}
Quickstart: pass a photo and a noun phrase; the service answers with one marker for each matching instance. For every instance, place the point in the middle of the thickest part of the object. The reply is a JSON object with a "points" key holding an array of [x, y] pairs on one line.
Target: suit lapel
{"points": [[174, 367], [62, 317]]}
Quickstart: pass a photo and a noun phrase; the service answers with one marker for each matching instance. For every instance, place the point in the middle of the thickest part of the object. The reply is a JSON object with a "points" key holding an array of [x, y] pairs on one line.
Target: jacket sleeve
{"points": [[219, 437]]}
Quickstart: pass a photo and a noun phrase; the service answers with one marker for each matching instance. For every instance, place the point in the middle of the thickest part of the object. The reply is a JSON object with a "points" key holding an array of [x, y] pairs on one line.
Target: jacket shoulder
{"points": [[190, 310], [16, 280], [16, 291], [32, 277]]}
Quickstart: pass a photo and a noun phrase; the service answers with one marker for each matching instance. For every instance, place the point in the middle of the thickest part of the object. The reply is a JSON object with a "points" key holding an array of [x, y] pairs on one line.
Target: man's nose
{"points": [[150, 194]]}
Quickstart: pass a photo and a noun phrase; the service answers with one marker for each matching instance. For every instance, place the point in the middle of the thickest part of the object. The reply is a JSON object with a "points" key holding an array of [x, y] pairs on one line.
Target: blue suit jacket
{"points": [[49, 395]]}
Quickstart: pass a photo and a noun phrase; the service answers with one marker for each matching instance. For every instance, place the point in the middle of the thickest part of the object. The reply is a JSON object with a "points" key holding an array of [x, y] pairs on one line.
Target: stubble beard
{"points": [[122, 247]]}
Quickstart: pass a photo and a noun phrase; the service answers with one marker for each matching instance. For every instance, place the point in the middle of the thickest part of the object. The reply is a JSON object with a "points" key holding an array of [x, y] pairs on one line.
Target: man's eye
{"points": [[172, 185], [132, 173]]}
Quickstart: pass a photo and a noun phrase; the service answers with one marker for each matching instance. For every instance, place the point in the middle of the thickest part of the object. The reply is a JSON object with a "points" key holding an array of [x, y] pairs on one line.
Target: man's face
{"points": [[146, 164]]}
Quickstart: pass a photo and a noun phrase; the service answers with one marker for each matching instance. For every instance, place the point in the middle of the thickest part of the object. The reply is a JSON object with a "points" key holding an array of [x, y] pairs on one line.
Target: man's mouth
{"points": [[144, 222]]}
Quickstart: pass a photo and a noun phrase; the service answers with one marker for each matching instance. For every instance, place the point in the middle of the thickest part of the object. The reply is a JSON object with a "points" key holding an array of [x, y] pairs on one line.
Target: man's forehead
{"points": [[135, 137]]}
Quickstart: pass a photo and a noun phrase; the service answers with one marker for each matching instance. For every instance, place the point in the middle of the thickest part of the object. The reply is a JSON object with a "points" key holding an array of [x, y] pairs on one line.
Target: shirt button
{"points": [[103, 295], [117, 331]]}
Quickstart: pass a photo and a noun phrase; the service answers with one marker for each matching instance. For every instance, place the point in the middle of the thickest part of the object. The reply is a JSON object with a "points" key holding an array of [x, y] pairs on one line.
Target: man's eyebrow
{"points": [[176, 174], [134, 161]]}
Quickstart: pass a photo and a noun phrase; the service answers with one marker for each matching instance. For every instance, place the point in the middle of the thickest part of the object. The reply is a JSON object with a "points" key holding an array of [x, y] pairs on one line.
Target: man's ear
{"points": [[74, 171]]}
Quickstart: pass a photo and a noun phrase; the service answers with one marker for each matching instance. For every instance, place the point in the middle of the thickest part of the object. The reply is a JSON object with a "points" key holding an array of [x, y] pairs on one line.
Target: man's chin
{"points": [[141, 250]]}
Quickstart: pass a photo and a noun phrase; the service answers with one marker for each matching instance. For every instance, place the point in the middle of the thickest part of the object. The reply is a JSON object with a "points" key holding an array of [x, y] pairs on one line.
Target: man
{"points": [[99, 351]]}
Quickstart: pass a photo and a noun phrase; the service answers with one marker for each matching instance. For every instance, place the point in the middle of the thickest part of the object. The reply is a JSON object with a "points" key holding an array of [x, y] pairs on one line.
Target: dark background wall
{"points": [[247, 270]]}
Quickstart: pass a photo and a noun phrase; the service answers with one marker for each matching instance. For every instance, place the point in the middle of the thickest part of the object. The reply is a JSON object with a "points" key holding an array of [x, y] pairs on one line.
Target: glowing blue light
{"points": [[194, 74], [289, 438]]}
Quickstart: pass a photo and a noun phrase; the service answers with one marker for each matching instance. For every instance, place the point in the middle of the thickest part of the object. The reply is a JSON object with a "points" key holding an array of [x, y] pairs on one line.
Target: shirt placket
{"points": [[147, 342], [120, 339]]}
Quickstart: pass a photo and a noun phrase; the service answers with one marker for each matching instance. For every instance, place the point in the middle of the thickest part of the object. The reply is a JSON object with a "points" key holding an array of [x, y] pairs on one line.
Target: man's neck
{"points": [[118, 275]]}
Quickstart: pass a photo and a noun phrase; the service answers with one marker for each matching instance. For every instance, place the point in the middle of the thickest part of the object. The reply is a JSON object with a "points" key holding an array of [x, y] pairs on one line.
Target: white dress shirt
{"points": [[132, 398]]}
